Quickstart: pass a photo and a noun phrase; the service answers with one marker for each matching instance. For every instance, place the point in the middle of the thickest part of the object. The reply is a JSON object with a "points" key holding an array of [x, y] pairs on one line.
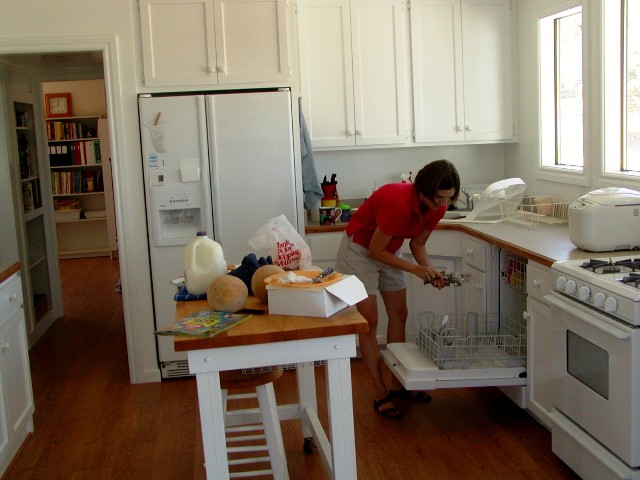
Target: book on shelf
{"points": [[204, 324]]}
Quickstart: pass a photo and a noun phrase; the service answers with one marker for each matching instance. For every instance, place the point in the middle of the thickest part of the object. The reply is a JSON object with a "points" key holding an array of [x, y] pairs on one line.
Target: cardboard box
{"points": [[316, 301]]}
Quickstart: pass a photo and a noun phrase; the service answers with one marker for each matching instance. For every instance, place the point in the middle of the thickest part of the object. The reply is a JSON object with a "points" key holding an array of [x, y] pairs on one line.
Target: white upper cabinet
{"points": [[462, 70], [219, 42], [352, 68]]}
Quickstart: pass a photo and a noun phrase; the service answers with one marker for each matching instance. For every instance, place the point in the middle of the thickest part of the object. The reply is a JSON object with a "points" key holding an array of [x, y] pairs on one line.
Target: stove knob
{"points": [[570, 287], [561, 282], [610, 305], [598, 299], [584, 293]]}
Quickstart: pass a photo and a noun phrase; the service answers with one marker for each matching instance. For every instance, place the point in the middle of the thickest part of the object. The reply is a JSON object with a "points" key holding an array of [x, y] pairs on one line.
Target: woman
{"points": [[370, 250]]}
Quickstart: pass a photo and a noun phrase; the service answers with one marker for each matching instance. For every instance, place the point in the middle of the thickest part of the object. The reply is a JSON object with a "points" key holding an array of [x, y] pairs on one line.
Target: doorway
{"points": [[80, 75]]}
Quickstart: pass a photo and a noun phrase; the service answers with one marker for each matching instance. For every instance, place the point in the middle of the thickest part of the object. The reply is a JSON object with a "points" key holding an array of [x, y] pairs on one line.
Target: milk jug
{"points": [[203, 261]]}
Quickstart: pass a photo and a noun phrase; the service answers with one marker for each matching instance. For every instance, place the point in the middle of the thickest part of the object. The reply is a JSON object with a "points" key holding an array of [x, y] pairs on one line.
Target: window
{"points": [[622, 88], [561, 93], [631, 88]]}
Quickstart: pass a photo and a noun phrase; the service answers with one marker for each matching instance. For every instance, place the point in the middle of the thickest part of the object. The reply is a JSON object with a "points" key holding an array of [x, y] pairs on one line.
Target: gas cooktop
{"points": [[610, 285]]}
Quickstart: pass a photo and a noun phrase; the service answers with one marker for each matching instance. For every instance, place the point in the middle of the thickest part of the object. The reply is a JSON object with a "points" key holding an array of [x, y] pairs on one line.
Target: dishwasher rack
{"points": [[472, 340]]}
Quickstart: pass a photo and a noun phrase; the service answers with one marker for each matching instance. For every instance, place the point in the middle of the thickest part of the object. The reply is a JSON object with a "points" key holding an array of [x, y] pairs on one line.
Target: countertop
{"points": [[268, 328], [542, 243], [8, 271]]}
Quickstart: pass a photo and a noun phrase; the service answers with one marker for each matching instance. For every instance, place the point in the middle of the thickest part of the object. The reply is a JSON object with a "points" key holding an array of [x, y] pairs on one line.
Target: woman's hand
{"points": [[428, 274]]}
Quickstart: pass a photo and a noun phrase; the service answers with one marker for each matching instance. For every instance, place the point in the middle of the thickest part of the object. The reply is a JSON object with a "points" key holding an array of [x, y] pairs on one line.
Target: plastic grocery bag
{"points": [[279, 239]]}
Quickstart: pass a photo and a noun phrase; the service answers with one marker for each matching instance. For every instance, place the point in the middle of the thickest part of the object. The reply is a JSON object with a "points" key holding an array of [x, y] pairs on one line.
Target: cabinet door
{"points": [[326, 71], [475, 291], [468, 44], [352, 63], [423, 298], [15, 387], [379, 61], [178, 42], [539, 369], [486, 37], [251, 41], [436, 48]]}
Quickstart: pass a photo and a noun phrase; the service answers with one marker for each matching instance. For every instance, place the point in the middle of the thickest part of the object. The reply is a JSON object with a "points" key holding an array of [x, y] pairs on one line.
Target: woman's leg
{"points": [[369, 348], [395, 304]]}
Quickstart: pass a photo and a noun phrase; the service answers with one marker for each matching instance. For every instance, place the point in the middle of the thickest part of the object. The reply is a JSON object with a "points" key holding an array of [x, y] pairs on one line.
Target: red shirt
{"points": [[395, 209]]}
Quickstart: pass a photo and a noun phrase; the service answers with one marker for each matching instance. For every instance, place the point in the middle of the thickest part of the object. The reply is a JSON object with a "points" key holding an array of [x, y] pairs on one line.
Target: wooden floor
{"points": [[91, 424]]}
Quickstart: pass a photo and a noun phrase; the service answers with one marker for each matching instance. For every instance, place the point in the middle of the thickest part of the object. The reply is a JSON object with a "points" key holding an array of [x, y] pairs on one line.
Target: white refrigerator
{"points": [[220, 162]]}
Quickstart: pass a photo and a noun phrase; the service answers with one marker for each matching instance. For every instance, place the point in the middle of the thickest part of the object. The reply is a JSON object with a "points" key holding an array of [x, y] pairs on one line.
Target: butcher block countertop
{"points": [[542, 243], [267, 328]]}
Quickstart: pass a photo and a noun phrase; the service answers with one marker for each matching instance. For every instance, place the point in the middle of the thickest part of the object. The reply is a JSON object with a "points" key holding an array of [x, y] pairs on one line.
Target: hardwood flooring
{"points": [[92, 424]]}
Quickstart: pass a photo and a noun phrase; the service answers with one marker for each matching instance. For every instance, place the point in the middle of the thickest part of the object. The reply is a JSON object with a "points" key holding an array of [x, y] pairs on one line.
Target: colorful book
{"points": [[204, 324]]}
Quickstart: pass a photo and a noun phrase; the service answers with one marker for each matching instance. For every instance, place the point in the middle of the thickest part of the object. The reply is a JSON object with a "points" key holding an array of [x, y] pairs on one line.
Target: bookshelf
{"points": [[35, 255], [81, 186]]}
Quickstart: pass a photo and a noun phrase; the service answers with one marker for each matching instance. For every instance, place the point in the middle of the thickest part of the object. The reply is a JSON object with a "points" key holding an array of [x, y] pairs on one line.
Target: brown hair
{"points": [[437, 175]]}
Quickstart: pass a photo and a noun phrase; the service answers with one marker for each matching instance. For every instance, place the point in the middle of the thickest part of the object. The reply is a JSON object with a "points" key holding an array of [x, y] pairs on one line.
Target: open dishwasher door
{"points": [[453, 351]]}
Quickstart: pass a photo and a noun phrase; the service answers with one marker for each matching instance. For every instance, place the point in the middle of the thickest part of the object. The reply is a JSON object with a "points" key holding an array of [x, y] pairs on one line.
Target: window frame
{"points": [[547, 75]]}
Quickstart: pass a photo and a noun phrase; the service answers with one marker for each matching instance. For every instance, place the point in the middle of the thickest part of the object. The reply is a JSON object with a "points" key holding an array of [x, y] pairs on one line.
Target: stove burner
{"points": [[633, 279], [601, 266], [632, 263]]}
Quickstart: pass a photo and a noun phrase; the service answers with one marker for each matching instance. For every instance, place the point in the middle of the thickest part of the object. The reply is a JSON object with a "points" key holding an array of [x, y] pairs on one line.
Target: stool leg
{"points": [[269, 409]]}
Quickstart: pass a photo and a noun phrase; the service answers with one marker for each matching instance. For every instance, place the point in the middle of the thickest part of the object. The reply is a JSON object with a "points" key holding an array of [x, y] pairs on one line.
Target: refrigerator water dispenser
{"points": [[177, 214]]}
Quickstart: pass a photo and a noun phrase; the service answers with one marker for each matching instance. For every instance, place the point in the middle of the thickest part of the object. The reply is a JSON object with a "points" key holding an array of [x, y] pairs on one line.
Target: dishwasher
{"points": [[471, 349]]}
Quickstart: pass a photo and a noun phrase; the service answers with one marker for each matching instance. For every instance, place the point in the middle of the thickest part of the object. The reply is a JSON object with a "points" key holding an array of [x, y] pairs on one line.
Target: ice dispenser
{"points": [[177, 213]]}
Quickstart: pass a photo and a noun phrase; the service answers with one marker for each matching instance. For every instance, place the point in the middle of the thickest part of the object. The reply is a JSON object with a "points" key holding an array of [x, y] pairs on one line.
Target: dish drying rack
{"points": [[473, 340], [533, 210]]}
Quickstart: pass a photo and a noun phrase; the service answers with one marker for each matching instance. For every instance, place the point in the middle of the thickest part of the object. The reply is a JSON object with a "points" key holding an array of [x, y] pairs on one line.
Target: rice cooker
{"points": [[606, 219]]}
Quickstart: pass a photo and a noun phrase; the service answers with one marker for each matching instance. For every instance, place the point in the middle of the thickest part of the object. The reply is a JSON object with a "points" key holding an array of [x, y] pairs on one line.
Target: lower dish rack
{"points": [[472, 340]]}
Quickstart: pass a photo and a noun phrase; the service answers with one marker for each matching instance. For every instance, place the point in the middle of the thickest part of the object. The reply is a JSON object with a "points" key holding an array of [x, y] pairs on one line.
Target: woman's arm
{"points": [[424, 271]]}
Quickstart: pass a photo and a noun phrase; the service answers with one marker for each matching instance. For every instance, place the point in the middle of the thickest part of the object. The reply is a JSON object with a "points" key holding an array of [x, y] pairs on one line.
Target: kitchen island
{"points": [[266, 340]]}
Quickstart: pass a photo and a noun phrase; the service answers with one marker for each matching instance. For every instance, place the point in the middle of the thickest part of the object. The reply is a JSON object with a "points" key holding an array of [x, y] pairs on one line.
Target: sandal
{"points": [[390, 412], [403, 393]]}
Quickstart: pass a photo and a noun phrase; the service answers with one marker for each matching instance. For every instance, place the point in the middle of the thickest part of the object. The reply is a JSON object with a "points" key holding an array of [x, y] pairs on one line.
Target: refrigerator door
{"points": [[252, 165], [173, 133]]}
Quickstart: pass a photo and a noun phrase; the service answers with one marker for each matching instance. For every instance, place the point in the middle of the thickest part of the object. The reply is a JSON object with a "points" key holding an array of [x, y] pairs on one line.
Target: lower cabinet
{"points": [[539, 368], [16, 396]]}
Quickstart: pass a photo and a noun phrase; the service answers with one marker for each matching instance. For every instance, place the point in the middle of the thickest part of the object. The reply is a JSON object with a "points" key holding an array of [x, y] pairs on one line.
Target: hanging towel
{"points": [[310, 184]]}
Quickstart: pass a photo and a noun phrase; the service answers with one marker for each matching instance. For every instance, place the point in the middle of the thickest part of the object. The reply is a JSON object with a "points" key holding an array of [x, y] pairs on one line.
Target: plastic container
{"points": [[203, 261]]}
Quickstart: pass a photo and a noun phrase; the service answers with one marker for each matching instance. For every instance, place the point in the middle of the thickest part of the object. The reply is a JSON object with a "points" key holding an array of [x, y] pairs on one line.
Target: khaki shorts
{"points": [[354, 259]]}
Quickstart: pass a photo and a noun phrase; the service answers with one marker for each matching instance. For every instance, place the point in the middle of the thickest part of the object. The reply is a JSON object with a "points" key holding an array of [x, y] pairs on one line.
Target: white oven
{"points": [[596, 375]]}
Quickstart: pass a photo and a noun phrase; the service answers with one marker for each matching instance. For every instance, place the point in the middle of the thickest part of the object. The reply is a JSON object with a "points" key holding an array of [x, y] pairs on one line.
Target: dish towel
{"points": [[310, 184]]}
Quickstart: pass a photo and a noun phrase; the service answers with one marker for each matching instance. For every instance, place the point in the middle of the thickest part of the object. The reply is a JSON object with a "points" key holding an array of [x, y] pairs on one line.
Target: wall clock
{"points": [[58, 105]]}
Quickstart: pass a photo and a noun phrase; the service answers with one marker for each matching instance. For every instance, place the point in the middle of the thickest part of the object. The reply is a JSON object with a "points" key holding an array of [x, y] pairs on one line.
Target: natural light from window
{"points": [[561, 94], [631, 152]]}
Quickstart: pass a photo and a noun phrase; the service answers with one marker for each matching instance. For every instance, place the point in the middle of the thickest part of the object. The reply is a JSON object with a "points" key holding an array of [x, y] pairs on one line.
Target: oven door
{"points": [[595, 375]]}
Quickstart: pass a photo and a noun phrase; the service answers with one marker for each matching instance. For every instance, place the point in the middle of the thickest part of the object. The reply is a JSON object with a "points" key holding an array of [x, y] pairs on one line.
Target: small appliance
{"points": [[606, 219]]}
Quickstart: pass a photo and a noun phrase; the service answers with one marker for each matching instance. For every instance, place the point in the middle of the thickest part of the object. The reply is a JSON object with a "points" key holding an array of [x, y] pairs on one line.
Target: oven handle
{"points": [[605, 327]]}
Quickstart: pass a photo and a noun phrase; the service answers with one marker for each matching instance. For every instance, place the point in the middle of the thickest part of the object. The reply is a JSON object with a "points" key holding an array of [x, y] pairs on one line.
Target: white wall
{"points": [[358, 169], [87, 96], [29, 26]]}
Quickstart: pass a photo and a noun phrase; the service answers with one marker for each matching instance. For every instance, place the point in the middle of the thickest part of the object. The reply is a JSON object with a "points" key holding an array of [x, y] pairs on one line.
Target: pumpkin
{"points": [[227, 294], [257, 281]]}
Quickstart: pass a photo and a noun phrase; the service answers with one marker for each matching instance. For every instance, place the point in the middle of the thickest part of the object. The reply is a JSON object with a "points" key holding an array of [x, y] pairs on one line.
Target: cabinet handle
{"points": [[526, 315], [358, 132], [13, 297], [350, 133], [222, 69], [6, 347], [469, 251], [536, 283], [467, 128], [211, 70], [458, 128]]}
